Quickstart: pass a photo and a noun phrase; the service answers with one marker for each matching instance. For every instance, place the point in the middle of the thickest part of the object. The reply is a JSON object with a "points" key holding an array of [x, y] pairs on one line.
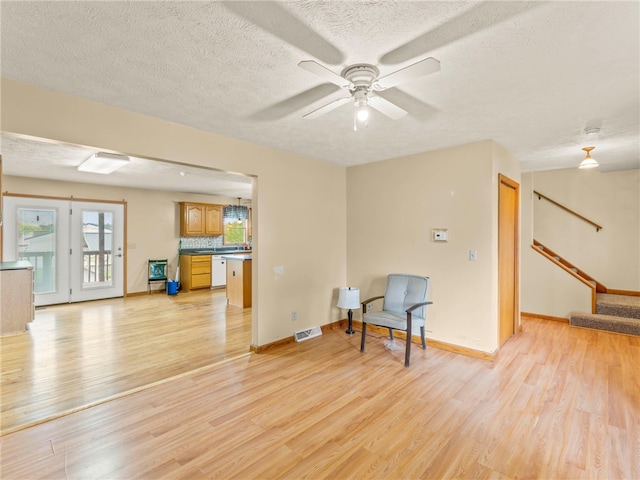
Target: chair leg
{"points": [[424, 344], [391, 334], [407, 352], [364, 332]]}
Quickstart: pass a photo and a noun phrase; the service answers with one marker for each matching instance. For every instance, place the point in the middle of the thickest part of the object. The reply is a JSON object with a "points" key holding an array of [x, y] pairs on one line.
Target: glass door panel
{"points": [[97, 258], [37, 245], [97, 249], [37, 230]]}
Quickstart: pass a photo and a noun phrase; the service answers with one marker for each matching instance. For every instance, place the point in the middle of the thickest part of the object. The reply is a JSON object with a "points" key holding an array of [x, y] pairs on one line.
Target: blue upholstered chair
{"points": [[404, 307]]}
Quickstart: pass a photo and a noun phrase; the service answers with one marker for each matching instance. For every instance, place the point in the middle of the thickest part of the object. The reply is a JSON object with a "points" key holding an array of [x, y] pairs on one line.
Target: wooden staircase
{"points": [[611, 310], [614, 313], [596, 287]]}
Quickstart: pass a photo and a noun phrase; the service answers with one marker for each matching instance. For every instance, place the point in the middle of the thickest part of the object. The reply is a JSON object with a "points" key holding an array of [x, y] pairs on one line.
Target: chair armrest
{"points": [[372, 299], [417, 305]]}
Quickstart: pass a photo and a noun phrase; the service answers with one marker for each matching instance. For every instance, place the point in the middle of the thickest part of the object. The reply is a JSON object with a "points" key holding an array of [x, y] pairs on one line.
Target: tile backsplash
{"points": [[201, 242]]}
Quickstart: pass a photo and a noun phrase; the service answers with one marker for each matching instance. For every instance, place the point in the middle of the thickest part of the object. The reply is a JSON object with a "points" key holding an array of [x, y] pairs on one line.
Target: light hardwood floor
{"points": [[558, 402], [80, 354]]}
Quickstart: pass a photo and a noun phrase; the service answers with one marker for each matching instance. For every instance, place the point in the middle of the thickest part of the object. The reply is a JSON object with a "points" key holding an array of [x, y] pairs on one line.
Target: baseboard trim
{"points": [[342, 324], [539, 316], [291, 339], [138, 294], [630, 293], [269, 346], [449, 347]]}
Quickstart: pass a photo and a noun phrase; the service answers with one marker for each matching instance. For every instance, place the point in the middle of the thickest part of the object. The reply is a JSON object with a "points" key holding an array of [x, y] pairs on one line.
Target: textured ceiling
{"points": [[531, 75], [26, 157]]}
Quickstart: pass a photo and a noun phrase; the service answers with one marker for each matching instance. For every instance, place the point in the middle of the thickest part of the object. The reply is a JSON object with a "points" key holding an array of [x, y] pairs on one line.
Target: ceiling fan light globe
{"points": [[363, 114]]}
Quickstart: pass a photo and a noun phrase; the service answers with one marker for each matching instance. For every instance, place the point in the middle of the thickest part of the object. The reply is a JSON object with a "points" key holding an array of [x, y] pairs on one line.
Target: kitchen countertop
{"points": [[212, 251], [241, 257], [19, 265]]}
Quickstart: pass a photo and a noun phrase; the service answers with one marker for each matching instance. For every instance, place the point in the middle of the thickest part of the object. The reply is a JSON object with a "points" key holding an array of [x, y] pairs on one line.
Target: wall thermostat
{"points": [[440, 235]]}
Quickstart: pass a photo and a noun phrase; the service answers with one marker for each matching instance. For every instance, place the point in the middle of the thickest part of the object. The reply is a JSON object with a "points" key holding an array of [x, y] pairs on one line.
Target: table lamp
{"points": [[349, 298]]}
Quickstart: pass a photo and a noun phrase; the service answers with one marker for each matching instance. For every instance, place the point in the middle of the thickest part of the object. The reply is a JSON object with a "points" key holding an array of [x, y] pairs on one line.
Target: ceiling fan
{"points": [[362, 80]]}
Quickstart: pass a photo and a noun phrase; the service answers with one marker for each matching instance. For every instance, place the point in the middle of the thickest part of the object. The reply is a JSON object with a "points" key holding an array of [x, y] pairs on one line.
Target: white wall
{"points": [[393, 206], [299, 203]]}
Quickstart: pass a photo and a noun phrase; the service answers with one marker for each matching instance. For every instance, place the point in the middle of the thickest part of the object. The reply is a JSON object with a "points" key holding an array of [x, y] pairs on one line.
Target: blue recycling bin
{"points": [[172, 287]]}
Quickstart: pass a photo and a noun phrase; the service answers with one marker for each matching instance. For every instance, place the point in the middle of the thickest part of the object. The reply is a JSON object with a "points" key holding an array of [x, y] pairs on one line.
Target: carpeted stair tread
{"points": [[611, 323], [618, 305]]}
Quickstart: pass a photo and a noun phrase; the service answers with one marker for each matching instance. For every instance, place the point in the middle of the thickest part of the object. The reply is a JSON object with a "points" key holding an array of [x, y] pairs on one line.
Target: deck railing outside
{"points": [[97, 267]]}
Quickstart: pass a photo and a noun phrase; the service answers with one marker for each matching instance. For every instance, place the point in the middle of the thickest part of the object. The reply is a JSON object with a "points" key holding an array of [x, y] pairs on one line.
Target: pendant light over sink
{"points": [[238, 212]]}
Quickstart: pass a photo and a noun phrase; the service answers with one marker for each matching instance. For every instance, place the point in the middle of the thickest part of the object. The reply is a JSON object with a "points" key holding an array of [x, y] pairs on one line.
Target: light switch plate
{"points": [[440, 235]]}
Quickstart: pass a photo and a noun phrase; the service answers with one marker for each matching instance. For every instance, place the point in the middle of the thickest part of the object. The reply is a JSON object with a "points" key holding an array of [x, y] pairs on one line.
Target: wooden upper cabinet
{"points": [[213, 220], [200, 219]]}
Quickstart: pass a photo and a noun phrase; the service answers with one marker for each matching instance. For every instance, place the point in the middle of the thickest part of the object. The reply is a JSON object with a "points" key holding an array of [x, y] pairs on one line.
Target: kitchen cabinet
{"points": [[195, 272], [239, 280], [200, 219]]}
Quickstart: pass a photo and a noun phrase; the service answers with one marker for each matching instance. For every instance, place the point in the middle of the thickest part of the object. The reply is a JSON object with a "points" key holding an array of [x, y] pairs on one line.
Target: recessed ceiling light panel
{"points": [[104, 163]]}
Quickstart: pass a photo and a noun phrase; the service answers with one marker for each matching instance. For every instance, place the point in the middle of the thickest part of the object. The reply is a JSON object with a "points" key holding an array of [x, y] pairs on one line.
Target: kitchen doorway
{"points": [[76, 247]]}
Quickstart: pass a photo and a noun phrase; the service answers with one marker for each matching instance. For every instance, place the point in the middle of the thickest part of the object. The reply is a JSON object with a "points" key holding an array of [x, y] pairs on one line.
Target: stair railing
{"points": [[588, 280], [541, 195]]}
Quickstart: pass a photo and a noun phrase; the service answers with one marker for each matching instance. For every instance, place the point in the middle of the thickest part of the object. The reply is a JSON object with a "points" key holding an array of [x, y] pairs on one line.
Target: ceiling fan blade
{"points": [[417, 70], [325, 73], [391, 110], [327, 108]]}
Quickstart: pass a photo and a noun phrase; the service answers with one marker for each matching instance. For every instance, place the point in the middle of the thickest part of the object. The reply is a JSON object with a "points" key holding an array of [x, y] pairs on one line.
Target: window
{"points": [[235, 231]]}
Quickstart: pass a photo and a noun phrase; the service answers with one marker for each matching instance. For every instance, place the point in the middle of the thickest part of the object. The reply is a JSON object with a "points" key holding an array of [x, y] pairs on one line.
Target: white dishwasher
{"points": [[218, 271]]}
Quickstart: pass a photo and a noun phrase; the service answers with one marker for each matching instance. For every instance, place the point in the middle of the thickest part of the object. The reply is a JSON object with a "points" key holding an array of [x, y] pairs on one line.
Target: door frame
{"points": [[512, 184], [86, 200]]}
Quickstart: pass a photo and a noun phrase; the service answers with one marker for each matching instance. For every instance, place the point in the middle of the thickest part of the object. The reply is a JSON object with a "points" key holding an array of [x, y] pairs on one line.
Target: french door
{"points": [[76, 247]]}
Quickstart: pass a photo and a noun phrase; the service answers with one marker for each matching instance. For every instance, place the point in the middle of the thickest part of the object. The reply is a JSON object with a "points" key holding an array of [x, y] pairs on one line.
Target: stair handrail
{"points": [[541, 195], [588, 280]]}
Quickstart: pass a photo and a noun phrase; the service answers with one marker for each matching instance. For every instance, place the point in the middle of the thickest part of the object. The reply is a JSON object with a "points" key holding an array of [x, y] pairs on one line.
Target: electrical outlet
{"points": [[294, 316], [473, 255], [369, 307]]}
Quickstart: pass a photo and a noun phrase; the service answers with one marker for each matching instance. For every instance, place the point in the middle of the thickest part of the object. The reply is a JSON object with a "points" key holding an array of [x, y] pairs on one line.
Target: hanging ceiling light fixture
{"points": [[238, 212], [589, 161]]}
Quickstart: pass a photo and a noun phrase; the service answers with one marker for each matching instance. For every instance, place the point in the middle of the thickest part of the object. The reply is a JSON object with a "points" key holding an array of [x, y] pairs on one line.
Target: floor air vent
{"points": [[303, 335]]}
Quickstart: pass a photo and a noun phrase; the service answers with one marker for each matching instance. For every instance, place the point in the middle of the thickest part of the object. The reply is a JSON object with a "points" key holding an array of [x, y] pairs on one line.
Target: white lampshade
{"points": [[349, 297]]}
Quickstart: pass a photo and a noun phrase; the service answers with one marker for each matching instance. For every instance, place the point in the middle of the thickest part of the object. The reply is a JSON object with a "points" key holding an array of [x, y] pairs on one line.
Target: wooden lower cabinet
{"points": [[195, 272]]}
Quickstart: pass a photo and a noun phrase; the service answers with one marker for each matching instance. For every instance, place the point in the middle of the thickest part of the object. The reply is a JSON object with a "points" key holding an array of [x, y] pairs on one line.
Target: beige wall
{"points": [[393, 206], [153, 219], [612, 255], [299, 203]]}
